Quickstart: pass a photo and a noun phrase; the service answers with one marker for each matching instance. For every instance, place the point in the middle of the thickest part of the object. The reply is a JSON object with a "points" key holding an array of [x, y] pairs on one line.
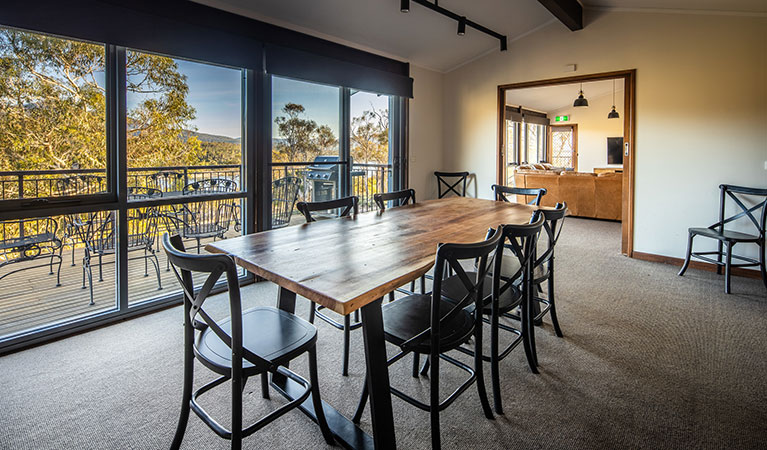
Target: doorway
{"points": [[560, 133]]}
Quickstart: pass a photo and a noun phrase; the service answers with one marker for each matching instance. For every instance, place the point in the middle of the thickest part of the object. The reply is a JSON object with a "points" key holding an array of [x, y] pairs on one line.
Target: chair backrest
{"points": [[399, 198], [98, 230], [166, 181], [502, 191], [141, 193], [521, 240], [553, 227], [210, 217], [739, 196], [346, 205], [80, 185], [183, 265], [284, 195], [449, 181], [451, 255]]}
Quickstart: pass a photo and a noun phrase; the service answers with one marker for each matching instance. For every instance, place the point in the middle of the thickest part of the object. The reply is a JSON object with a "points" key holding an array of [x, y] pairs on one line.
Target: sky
{"points": [[215, 93]]}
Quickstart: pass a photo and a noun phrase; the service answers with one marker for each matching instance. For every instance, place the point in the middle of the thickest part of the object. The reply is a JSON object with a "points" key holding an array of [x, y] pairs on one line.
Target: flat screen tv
{"points": [[615, 150]]}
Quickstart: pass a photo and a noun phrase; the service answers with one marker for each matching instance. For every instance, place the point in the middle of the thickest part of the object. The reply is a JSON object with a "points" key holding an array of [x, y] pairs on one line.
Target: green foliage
{"points": [[302, 139], [370, 137]]}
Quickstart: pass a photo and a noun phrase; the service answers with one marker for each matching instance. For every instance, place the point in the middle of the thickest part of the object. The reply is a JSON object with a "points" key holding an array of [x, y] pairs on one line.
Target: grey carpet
{"points": [[649, 360]]}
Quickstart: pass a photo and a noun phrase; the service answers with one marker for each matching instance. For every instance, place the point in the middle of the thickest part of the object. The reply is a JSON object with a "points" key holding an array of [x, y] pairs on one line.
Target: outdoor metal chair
{"points": [[254, 342], [166, 181], [203, 219], [284, 196], [28, 240], [449, 181], [748, 202], [98, 231], [83, 184], [502, 191]]}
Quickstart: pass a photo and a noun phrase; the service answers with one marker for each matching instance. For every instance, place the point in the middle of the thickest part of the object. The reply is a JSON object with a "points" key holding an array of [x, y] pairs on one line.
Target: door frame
{"points": [[629, 139], [574, 127]]}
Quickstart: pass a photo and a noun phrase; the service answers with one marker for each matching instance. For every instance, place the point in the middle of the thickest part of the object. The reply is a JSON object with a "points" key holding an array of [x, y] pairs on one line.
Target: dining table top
{"points": [[346, 263]]}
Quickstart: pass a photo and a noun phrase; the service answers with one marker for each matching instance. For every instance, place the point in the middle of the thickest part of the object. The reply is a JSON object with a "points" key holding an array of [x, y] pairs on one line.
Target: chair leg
{"points": [[423, 284], [425, 368], [416, 363], [58, 272], [188, 383], [146, 264], [236, 409], [319, 412], [312, 309], [391, 296], [763, 263], [727, 268], [479, 367], [347, 333], [434, 397], [494, 363], [719, 257], [527, 324], [687, 258], [156, 264], [90, 280], [412, 286], [101, 272], [553, 307], [363, 401], [265, 385]]}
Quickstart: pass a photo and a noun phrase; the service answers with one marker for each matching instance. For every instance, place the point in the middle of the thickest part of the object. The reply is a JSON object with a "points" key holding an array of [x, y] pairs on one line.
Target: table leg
{"points": [[378, 376], [346, 433]]}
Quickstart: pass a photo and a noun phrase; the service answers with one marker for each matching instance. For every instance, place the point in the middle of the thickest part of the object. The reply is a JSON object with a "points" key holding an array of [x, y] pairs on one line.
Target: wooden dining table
{"points": [[350, 264]]}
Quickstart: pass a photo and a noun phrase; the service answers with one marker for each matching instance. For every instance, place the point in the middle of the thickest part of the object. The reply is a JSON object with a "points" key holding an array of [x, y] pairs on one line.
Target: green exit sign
{"points": [[561, 118]]}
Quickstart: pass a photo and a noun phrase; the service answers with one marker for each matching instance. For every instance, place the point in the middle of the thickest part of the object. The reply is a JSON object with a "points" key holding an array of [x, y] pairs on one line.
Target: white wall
{"points": [[701, 102], [594, 128], [426, 134]]}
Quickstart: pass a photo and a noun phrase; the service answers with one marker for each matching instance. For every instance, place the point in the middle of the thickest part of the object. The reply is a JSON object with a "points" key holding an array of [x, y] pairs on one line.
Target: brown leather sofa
{"points": [[586, 194]]}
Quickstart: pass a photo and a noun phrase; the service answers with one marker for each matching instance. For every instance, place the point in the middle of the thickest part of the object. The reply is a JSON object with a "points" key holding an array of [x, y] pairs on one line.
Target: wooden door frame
{"points": [[629, 139], [574, 127]]}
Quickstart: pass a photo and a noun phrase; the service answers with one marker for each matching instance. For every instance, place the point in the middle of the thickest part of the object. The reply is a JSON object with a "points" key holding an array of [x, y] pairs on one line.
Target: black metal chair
{"points": [[258, 341], [502, 191], [82, 184], [449, 181], [167, 181], [511, 280], [742, 197], [98, 231], [345, 206], [284, 196], [27, 240], [399, 198], [204, 219], [433, 325]]}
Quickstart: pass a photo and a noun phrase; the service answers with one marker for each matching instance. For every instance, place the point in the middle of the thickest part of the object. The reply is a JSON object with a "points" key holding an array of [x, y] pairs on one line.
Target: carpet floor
{"points": [[649, 360]]}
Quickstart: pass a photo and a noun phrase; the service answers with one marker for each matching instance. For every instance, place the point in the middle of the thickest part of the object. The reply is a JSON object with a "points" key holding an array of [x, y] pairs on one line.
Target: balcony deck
{"points": [[30, 299]]}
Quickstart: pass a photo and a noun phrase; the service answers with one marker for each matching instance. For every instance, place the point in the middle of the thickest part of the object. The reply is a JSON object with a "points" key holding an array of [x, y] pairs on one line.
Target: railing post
{"points": [[21, 185], [186, 176]]}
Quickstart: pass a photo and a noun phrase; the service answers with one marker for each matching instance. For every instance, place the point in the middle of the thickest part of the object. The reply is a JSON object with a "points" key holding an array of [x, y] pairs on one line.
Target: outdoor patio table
{"points": [[372, 254]]}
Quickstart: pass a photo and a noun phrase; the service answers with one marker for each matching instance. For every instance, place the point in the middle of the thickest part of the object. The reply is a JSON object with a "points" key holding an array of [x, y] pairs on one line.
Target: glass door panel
{"points": [[370, 150]]}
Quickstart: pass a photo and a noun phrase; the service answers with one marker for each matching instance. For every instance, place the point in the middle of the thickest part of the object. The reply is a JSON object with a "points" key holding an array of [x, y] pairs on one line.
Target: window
{"points": [[535, 143], [564, 146], [370, 150]]}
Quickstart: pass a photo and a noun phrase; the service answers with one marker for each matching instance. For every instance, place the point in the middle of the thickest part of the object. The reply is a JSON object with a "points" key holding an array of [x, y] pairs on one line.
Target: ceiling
{"points": [[428, 39], [552, 98]]}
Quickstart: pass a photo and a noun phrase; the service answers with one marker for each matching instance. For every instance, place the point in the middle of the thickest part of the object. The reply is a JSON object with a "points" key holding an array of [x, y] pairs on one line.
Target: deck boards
{"points": [[30, 299]]}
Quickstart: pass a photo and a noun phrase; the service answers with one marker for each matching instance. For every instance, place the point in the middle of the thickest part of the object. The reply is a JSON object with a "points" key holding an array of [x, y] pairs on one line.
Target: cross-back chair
{"points": [[345, 207], [502, 191], [257, 341], [431, 325], [741, 197], [448, 182]]}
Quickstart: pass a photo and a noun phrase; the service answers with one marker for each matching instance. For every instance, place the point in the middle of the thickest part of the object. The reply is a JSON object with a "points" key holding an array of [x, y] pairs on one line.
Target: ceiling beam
{"points": [[569, 12]]}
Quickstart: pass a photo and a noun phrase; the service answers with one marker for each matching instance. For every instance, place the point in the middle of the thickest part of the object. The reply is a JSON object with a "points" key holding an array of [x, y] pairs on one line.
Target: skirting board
{"points": [[738, 271]]}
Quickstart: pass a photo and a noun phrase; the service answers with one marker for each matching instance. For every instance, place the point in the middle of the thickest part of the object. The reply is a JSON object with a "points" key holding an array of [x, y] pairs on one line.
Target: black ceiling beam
{"points": [[569, 12], [446, 12]]}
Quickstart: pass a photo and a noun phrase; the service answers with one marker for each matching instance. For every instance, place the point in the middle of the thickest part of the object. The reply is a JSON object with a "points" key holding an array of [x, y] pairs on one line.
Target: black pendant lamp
{"points": [[404, 6], [580, 101], [613, 114]]}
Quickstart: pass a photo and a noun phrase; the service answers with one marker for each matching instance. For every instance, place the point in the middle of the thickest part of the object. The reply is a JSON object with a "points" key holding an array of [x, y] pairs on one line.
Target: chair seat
{"points": [[26, 241], [726, 235], [409, 316], [270, 333], [454, 290]]}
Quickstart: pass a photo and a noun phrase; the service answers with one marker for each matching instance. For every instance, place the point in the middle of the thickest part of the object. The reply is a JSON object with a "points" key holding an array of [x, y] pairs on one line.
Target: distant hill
{"points": [[205, 137]]}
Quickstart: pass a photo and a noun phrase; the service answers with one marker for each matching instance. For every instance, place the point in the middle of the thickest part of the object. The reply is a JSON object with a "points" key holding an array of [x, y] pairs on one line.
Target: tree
{"points": [[301, 139], [53, 106], [370, 137]]}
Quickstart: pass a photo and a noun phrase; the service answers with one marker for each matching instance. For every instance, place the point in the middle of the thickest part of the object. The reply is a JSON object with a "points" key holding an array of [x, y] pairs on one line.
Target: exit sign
{"points": [[561, 118]]}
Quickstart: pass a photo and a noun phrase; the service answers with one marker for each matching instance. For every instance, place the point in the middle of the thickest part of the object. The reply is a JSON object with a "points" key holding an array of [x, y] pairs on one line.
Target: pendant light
{"points": [[580, 101], [404, 6], [613, 114]]}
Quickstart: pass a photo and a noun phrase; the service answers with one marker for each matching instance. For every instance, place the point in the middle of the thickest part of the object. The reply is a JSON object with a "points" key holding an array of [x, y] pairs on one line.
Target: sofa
{"points": [[586, 194]]}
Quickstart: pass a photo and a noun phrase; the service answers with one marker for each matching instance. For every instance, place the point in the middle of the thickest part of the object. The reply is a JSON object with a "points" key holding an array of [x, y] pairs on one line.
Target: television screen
{"points": [[615, 150]]}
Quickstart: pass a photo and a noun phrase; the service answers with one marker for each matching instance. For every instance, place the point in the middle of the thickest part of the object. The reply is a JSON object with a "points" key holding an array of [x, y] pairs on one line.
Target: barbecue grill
{"points": [[324, 178]]}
